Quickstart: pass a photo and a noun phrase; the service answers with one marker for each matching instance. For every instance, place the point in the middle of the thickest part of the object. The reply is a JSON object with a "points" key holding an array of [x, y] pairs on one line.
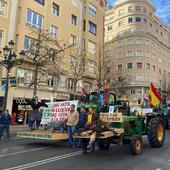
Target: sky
{"points": [[162, 9]]}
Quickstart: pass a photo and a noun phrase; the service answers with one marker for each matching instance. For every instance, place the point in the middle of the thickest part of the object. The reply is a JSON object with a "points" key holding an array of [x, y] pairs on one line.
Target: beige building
{"points": [[74, 21], [138, 43]]}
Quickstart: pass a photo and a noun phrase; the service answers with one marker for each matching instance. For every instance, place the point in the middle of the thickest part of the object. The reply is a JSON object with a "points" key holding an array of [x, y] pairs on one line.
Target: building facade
{"points": [[138, 44], [79, 22]]}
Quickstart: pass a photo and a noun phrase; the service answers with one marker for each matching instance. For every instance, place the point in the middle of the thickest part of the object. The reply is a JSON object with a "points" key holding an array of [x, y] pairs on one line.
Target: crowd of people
{"points": [[79, 122], [75, 122]]}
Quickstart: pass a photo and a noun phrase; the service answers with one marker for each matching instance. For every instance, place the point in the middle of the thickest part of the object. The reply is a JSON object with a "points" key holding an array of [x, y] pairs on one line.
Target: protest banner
{"points": [[57, 111]]}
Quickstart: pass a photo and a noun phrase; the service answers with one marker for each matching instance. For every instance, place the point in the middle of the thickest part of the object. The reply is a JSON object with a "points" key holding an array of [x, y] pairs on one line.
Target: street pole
{"points": [[6, 91], [9, 61]]}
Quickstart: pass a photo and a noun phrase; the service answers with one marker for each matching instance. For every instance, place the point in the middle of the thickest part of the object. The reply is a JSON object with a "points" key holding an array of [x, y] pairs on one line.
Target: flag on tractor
{"points": [[83, 90], [154, 96], [106, 91]]}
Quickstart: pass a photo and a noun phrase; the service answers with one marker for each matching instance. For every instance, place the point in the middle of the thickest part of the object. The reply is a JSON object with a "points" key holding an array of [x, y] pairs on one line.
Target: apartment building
{"points": [[138, 43], [74, 21]]}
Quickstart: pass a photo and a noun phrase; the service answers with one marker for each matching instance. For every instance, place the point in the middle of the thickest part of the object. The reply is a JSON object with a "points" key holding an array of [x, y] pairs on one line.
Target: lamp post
{"points": [[10, 61]]}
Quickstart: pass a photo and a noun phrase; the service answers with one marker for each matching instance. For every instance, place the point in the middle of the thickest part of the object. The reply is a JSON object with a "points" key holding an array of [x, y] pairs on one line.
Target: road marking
{"points": [[45, 161], [20, 152]]}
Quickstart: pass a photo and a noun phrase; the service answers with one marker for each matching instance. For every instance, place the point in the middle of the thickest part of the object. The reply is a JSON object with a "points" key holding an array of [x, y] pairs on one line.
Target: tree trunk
{"points": [[35, 81], [75, 88], [6, 92]]}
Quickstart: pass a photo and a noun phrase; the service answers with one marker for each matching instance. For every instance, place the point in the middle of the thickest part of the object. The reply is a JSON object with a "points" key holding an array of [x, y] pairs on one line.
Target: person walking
{"points": [[5, 120], [72, 121]]}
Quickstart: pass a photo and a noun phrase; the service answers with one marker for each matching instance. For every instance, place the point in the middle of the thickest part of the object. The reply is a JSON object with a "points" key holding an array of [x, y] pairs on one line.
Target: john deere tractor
{"points": [[127, 128]]}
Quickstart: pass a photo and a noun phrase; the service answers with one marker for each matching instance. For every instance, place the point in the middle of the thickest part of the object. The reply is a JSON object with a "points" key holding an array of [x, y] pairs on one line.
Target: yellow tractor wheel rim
{"points": [[138, 145], [160, 132]]}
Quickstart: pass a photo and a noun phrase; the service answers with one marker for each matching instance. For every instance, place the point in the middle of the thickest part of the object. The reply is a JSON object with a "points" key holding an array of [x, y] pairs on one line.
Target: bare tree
{"points": [[45, 53], [77, 64], [102, 72]]}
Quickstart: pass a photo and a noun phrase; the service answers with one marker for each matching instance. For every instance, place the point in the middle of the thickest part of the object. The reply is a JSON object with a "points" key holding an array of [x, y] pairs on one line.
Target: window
{"points": [[56, 9], [138, 19], [133, 91], [54, 31], [87, 85], [28, 42], [73, 40], [121, 12], [145, 20], [92, 10], [92, 47], [130, 41], [130, 9], [34, 19], [147, 66], [139, 53], [1, 37], [3, 7], [139, 65], [144, 9], [92, 28], [119, 78], [74, 19], [70, 85], [139, 41], [147, 42], [121, 23], [153, 68], [120, 43], [84, 25], [119, 67], [50, 81], [129, 65], [120, 55], [40, 1], [139, 78], [91, 66], [138, 8], [109, 28], [129, 53], [130, 20], [24, 76]]}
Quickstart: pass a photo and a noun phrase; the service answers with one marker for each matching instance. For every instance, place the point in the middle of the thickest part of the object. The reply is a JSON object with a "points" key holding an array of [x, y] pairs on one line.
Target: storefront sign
{"points": [[21, 101], [57, 111]]}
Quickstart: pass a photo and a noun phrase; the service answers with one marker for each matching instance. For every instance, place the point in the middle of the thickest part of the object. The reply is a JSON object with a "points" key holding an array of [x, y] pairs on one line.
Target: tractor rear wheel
{"points": [[136, 145], [156, 132], [104, 144]]}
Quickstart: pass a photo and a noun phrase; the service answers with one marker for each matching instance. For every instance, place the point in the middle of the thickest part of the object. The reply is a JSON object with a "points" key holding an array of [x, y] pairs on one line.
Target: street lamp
{"points": [[10, 61]]}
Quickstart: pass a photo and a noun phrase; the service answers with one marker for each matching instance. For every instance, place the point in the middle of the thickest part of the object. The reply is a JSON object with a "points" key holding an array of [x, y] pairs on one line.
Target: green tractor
{"points": [[127, 128]]}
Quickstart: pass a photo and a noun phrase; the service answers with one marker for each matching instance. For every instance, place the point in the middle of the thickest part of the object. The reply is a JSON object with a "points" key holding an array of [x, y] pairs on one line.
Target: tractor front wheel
{"points": [[156, 132], [136, 145]]}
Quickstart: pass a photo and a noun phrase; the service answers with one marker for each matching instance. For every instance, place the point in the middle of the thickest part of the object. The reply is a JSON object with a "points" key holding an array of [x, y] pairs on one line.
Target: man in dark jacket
{"points": [[36, 114], [5, 121]]}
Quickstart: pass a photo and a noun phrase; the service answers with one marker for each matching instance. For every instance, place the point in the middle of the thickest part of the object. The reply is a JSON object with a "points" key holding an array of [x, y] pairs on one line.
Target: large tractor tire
{"points": [[156, 132], [136, 145], [103, 144]]}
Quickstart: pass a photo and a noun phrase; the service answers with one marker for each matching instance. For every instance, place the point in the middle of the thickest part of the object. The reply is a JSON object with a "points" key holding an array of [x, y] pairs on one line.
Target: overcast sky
{"points": [[162, 8]]}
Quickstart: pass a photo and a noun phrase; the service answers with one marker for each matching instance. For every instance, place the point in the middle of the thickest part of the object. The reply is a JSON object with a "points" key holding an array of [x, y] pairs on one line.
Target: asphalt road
{"points": [[19, 154]]}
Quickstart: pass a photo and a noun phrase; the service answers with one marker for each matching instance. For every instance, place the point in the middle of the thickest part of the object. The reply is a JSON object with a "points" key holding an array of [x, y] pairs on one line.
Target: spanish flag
{"points": [[154, 96]]}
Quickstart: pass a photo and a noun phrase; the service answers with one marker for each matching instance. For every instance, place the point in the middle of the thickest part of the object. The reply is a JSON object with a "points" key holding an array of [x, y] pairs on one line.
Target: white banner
{"points": [[57, 111]]}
